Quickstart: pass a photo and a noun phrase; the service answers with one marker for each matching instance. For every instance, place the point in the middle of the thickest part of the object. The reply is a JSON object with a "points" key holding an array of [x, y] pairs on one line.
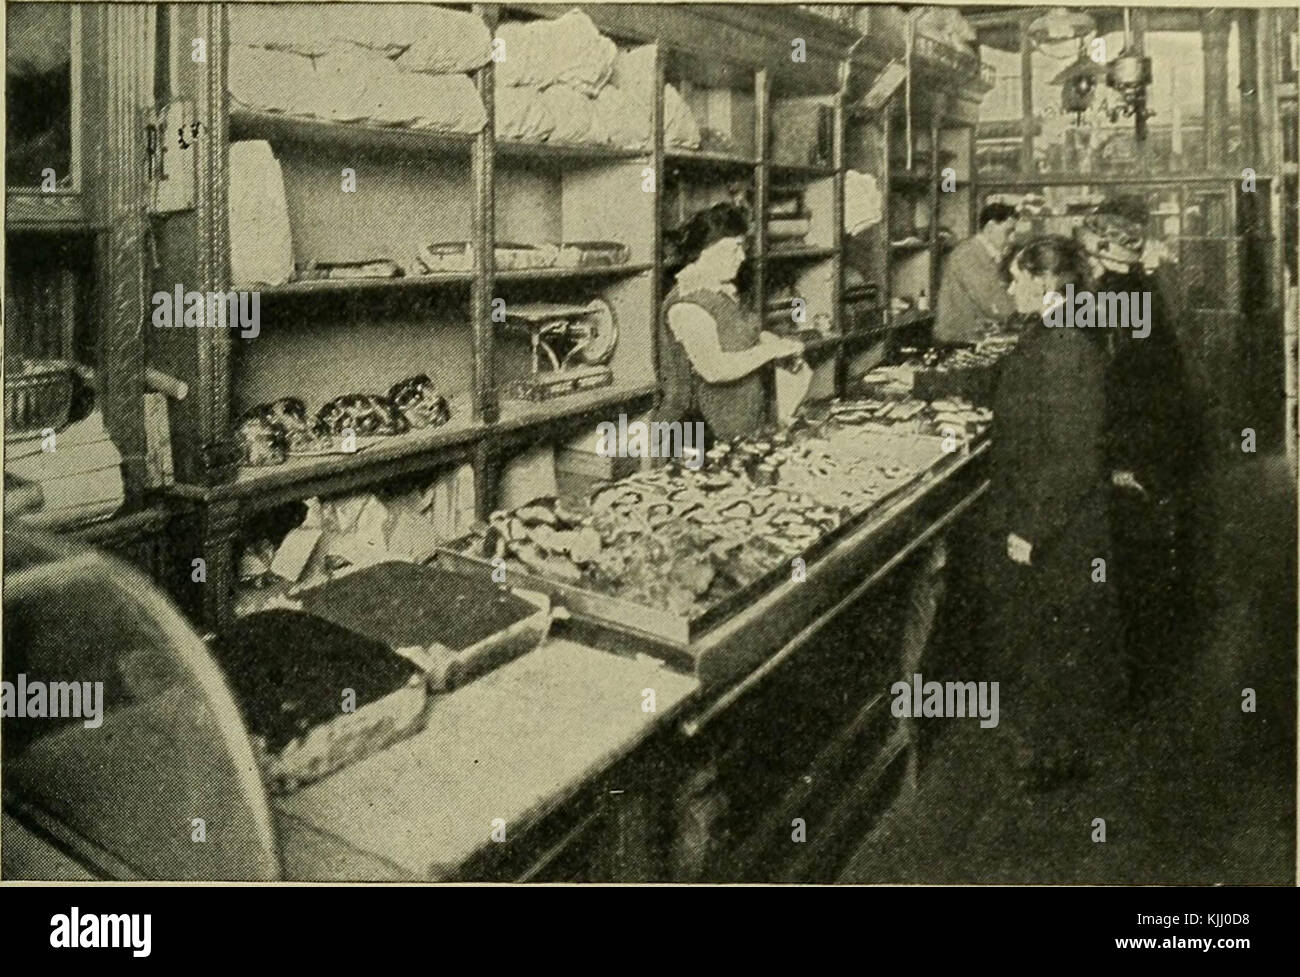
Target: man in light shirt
{"points": [[973, 293]]}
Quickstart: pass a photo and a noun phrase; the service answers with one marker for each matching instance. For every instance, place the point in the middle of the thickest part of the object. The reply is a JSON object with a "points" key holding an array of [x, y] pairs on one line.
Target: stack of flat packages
{"points": [[316, 696], [80, 479], [453, 625]]}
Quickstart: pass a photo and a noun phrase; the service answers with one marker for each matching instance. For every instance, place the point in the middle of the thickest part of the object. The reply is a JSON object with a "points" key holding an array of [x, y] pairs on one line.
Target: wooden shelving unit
{"points": [[430, 186], [905, 254]]}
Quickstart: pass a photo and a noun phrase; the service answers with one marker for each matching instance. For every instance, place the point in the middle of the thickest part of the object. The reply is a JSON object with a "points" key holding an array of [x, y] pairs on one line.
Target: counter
{"points": [[514, 751]]}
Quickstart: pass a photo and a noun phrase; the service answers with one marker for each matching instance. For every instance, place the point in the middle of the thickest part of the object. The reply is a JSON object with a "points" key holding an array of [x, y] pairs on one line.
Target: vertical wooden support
{"points": [[657, 163], [1214, 41], [219, 531], [838, 239], [1249, 86], [762, 188], [762, 179], [122, 70], [938, 108], [213, 231], [886, 207], [486, 405], [1026, 98]]}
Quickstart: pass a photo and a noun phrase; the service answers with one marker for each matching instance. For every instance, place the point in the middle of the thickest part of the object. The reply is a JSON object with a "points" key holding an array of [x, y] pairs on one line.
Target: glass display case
{"points": [[122, 743]]}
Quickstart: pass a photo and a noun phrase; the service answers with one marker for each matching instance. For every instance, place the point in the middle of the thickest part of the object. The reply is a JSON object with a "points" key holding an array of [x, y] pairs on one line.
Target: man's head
{"points": [[996, 223]]}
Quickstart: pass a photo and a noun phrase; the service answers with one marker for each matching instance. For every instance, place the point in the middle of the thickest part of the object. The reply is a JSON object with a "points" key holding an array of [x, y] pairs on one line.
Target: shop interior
{"points": [[370, 594]]}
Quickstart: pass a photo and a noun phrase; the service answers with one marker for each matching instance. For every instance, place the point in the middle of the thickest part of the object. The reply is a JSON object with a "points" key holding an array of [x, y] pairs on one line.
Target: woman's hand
{"points": [[779, 347], [1019, 550]]}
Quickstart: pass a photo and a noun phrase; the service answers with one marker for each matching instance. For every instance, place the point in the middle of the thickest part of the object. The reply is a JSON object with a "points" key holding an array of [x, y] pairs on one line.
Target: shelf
{"points": [[803, 252], [417, 450], [1084, 180], [708, 159], [562, 274], [516, 414], [905, 320], [257, 480], [277, 127], [911, 181], [344, 286], [805, 170], [593, 152]]}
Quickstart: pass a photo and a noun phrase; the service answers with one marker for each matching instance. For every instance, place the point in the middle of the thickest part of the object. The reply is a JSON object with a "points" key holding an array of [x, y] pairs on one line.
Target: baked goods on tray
{"points": [[453, 625], [316, 696]]}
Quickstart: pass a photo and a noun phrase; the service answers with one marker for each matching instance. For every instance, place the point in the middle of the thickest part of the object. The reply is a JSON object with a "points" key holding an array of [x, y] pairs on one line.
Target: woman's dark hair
{"points": [[997, 213], [1059, 257], [709, 226]]}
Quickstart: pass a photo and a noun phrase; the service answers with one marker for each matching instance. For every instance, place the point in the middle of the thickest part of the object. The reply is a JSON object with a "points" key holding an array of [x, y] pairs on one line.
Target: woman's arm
{"points": [[698, 334]]}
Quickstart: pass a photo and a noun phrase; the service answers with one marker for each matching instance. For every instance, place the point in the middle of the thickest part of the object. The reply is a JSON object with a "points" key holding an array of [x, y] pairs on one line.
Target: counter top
{"points": [[520, 742], [513, 745]]}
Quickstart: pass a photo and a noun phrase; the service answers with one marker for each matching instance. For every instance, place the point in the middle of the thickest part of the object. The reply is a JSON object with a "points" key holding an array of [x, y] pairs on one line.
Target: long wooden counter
{"points": [[512, 751]]}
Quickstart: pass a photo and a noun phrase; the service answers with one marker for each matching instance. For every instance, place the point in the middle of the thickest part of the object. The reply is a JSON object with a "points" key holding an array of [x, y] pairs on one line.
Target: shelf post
{"points": [[661, 202], [486, 402], [762, 175], [837, 224], [119, 254]]}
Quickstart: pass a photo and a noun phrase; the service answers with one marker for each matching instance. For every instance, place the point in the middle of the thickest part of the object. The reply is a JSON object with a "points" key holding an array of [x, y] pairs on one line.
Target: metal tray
{"points": [[663, 627]]}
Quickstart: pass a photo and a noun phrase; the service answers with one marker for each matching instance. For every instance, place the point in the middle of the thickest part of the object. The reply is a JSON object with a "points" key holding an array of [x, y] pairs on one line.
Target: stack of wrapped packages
{"points": [[562, 81], [381, 64]]}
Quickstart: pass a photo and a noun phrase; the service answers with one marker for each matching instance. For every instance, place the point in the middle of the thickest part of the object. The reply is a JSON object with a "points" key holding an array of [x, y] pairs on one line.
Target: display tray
{"points": [[288, 671], [679, 631], [453, 626]]}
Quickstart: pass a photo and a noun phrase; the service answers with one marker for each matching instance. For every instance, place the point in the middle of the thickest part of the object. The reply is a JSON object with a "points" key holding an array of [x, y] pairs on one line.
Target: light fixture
{"points": [[1130, 74], [1059, 25]]}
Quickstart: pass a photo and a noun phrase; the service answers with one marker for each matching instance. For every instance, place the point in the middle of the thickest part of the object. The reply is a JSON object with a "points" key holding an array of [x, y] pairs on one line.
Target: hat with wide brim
{"points": [[1113, 239]]}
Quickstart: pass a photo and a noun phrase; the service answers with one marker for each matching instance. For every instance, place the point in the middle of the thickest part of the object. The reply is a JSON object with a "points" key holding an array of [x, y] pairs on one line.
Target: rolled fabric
{"points": [[350, 85], [624, 122], [574, 114], [300, 28], [270, 81], [634, 73], [569, 50], [445, 41], [680, 128], [521, 114], [461, 43], [448, 103]]}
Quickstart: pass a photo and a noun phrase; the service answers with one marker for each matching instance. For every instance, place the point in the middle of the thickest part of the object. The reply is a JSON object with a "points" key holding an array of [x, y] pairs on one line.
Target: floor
{"points": [[1191, 788]]}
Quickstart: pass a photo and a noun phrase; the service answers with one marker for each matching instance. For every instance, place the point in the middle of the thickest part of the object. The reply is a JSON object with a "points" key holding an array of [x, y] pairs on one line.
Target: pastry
{"points": [[362, 414]]}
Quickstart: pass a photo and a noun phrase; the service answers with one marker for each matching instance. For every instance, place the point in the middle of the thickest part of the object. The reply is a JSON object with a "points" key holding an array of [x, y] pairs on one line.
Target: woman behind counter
{"points": [[1052, 614], [712, 350]]}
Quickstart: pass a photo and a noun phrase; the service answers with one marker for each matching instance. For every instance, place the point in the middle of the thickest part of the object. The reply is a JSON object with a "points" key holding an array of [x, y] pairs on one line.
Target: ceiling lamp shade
{"points": [[1060, 25]]}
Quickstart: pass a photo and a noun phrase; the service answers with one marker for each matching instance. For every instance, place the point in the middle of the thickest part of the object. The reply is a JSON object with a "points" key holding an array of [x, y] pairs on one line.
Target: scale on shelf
{"points": [[571, 345]]}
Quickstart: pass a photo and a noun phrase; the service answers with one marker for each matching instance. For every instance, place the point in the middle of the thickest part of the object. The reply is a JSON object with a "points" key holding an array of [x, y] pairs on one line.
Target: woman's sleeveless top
{"points": [[728, 410]]}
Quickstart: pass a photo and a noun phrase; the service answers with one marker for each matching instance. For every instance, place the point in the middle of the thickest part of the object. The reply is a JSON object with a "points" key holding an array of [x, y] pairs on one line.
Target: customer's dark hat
{"points": [[1115, 232]]}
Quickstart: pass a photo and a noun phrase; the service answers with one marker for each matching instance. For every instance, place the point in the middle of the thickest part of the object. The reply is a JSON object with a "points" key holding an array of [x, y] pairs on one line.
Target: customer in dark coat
{"points": [[1153, 451], [1052, 606]]}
